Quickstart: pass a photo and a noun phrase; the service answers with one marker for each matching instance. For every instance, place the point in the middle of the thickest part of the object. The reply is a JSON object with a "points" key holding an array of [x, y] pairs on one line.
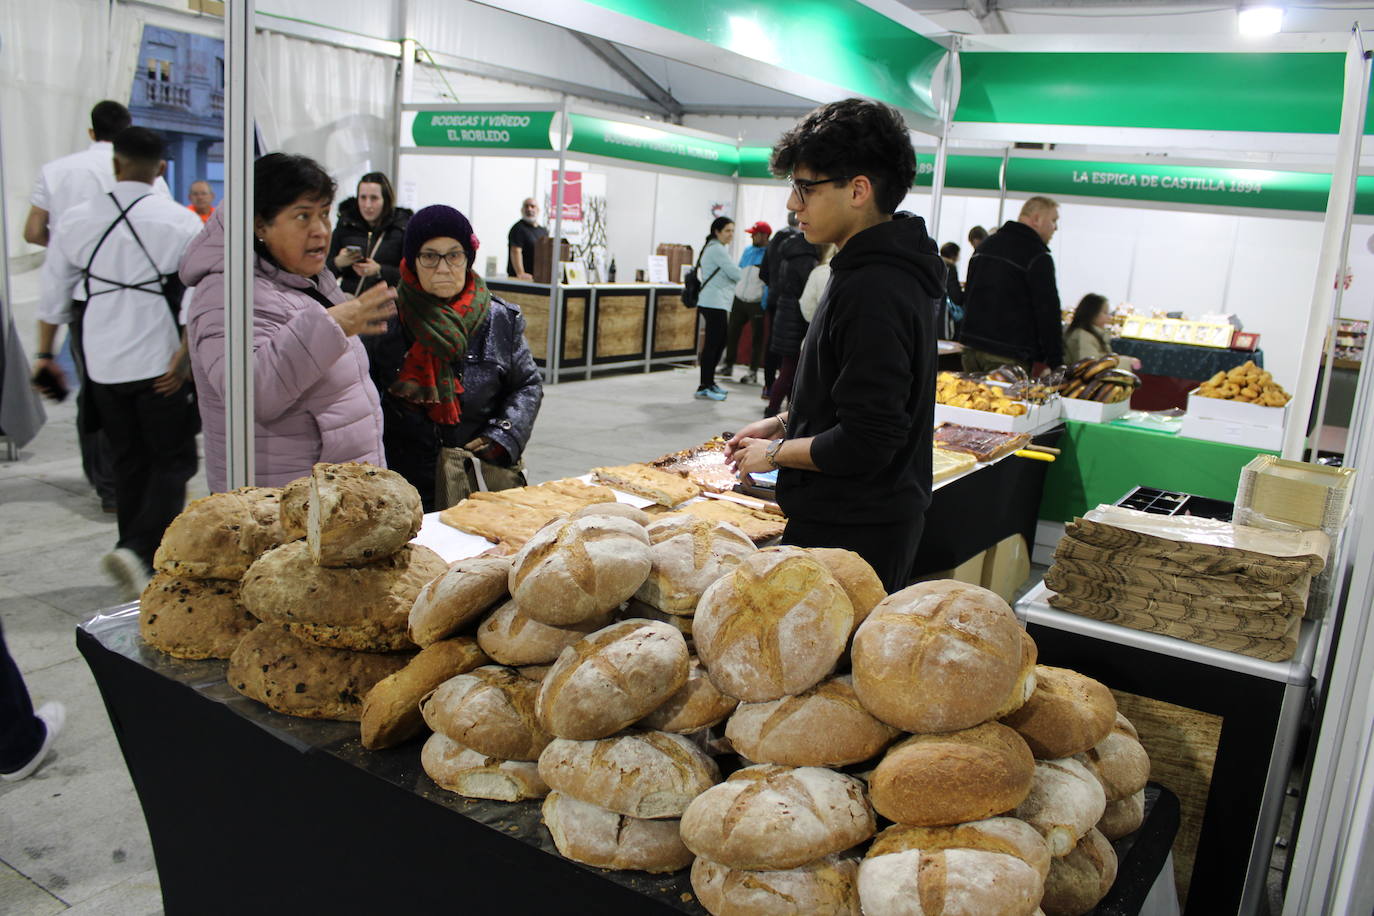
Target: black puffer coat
{"points": [[502, 390], [352, 229], [787, 264]]}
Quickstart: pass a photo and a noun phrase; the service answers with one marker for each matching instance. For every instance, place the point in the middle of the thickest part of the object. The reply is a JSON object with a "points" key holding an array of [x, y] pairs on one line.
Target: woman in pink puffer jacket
{"points": [[312, 395]]}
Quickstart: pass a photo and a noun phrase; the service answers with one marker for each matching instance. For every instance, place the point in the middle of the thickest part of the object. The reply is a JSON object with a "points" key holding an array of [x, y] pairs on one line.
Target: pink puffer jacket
{"points": [[313, 397]]}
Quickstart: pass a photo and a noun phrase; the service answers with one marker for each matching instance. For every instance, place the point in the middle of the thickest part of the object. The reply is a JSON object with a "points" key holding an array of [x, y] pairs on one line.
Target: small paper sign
{"points": [[658, 268]]}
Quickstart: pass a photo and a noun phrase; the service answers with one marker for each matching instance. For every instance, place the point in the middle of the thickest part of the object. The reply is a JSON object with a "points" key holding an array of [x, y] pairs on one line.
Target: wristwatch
{"points": [[772, 453]]}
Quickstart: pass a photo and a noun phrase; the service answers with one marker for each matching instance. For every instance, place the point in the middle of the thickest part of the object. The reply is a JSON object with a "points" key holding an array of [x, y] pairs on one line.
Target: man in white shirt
{"points": [[121, 250], [61, 185]]}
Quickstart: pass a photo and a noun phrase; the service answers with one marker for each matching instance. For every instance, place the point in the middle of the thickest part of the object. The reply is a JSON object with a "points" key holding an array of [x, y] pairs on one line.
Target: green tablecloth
{"points": [[1102, 462]]}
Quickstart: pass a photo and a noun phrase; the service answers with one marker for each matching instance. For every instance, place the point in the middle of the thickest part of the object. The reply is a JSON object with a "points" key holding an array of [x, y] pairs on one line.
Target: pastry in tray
{"points": [[947, 463], [511, 517], [704, 465], [983, 444], [760, 524], [663, 487]]}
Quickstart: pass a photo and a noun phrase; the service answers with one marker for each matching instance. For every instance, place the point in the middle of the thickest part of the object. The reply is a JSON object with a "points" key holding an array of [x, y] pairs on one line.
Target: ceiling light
{"points": [[1260, 20]]}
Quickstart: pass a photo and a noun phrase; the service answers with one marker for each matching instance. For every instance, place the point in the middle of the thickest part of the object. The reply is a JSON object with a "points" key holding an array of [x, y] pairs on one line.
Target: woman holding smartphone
{"points": [[366, 249]]}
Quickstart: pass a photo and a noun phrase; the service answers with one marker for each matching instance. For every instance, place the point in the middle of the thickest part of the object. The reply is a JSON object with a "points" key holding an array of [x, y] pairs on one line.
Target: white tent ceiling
{"points": [[1130, 17]]}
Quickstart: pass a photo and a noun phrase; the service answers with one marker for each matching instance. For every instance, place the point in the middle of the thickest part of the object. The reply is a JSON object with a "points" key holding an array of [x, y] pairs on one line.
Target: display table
{"points": [[603, 326], [250, 811], [1260, 705], [1168, 371], [1101, 462]]}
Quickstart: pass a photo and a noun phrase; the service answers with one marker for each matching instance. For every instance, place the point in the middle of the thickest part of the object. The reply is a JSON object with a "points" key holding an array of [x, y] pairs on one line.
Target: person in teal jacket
{"points": [[718, 274], [751, 301]]}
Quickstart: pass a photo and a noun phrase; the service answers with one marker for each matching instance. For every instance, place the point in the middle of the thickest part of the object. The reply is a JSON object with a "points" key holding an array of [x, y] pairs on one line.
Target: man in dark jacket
{"points": [[791, 265], [1011, 301], [854, 452]]}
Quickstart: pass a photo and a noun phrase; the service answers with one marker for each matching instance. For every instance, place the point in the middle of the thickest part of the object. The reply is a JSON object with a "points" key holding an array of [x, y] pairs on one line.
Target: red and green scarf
{"points": [[441, 328]]}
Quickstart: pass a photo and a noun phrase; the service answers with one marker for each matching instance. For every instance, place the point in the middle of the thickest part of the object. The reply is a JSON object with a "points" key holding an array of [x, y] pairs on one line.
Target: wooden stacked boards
{"points": [[1214, 583]]}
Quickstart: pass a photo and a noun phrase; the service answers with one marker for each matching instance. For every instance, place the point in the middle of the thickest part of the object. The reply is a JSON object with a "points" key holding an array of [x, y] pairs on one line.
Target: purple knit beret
{"points": [[436, 222]]}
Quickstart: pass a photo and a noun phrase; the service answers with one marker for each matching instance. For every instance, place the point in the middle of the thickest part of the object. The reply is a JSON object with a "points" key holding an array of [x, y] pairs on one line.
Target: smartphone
{"points": [[356, 249]]}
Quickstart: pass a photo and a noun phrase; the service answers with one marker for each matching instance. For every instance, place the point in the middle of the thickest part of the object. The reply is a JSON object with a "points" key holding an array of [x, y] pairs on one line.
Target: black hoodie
{"points": [[865, 384], [352, 229]]}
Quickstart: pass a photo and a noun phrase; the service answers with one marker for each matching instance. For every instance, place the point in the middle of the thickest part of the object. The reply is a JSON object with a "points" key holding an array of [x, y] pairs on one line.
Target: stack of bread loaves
{"points": [[687, 556], [191, 607], [334, 606], [775, 834]]}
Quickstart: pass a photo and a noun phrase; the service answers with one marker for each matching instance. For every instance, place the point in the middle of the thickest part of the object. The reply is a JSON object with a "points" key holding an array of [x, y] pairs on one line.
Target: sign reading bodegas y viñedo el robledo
{"points": [[483, 129]]}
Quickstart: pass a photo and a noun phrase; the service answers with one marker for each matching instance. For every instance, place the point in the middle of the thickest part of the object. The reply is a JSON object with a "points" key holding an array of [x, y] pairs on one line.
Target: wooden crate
{"points": [[620, 325], [677, 256], [1182, 744]]}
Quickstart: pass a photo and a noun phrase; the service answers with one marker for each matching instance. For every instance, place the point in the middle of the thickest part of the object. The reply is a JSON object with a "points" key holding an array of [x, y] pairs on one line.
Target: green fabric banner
{"points": [[980, 173], [644, 143], [753, 161], [483, 129], [1293, 92], [843, 42]]}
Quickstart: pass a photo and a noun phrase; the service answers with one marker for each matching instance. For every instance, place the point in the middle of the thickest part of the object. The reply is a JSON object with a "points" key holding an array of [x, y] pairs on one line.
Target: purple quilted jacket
{"points": [[313, 397]]}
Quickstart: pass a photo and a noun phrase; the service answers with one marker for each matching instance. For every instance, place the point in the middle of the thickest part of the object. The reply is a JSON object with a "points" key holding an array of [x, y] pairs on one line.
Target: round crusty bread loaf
{"points": [[855, 576], [364, 608], [1118, 761], [937, 657], [636, 608], [604, 839], [612, 678], [1064, 802], [295, 509], [1123, 817], [771, 818], [937, 780], [193, 618], [951, 882], [296, 678], [641, 774], [689, 554], [457, 598], [1006, 835], [1079, 880], [220, 535], [826, 887], [391, 711], [572, 570], [696, 705], [773, 627], [490, 710], [1066, 714], [622, 510], [1025, 678], [824, 727], [512, 637], [359, 513], [463, 770]]}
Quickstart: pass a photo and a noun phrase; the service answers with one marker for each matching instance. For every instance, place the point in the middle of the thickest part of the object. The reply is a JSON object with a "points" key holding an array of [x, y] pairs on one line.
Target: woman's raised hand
{"points": [[366, 314]]}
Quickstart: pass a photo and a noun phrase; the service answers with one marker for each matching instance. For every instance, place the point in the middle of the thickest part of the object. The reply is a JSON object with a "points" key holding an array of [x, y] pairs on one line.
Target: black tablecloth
{"points": [[254, 812], [1183, 361]]}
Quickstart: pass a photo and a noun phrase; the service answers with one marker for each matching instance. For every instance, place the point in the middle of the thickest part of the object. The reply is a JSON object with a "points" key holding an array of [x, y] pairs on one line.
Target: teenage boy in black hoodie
{"points": [[854, 451]]}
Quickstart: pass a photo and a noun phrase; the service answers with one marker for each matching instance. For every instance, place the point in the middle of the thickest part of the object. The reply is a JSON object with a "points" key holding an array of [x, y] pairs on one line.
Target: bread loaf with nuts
{"points": [[193, 618], [220, 535], [359, 513]]}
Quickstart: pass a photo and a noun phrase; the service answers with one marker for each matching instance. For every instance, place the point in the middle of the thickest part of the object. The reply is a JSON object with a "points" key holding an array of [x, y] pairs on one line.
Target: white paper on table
{"points": [[658, 268]]}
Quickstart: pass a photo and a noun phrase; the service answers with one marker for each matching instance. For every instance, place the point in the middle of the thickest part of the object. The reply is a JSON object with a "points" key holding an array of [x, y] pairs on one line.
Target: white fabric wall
{"points": [[332, 104], [46, 95]]}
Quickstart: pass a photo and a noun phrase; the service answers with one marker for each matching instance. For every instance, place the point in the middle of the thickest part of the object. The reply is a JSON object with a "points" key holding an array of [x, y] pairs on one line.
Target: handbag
{"points": [[461, 473]]}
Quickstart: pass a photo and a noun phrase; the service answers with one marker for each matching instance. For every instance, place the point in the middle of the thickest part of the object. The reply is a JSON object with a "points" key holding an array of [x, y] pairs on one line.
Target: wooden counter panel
{"points": [[620, 325], [675, 327]]}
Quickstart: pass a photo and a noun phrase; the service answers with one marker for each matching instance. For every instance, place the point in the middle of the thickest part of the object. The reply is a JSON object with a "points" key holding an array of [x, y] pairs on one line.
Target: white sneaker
{"points": [[54, 716], [127, 570]]}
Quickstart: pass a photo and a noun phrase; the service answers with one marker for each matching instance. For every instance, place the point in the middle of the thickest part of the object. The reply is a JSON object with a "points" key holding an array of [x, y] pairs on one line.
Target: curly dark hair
{"points": [[280, 178], [848, 138]]}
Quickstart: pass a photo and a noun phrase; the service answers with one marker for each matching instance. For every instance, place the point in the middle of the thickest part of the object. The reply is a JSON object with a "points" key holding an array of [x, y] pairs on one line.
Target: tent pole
{"points": [[405, 86], [1335, 244], [1002, 187], [551, 355], [937, 180], [238, 252]]}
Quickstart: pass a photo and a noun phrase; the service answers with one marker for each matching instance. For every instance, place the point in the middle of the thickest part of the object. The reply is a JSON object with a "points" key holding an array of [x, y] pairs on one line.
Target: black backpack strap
{"points": [[318, 296]]}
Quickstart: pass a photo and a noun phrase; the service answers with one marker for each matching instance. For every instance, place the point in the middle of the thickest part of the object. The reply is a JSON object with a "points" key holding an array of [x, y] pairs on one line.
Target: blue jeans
{"points": [[21, 732]]}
